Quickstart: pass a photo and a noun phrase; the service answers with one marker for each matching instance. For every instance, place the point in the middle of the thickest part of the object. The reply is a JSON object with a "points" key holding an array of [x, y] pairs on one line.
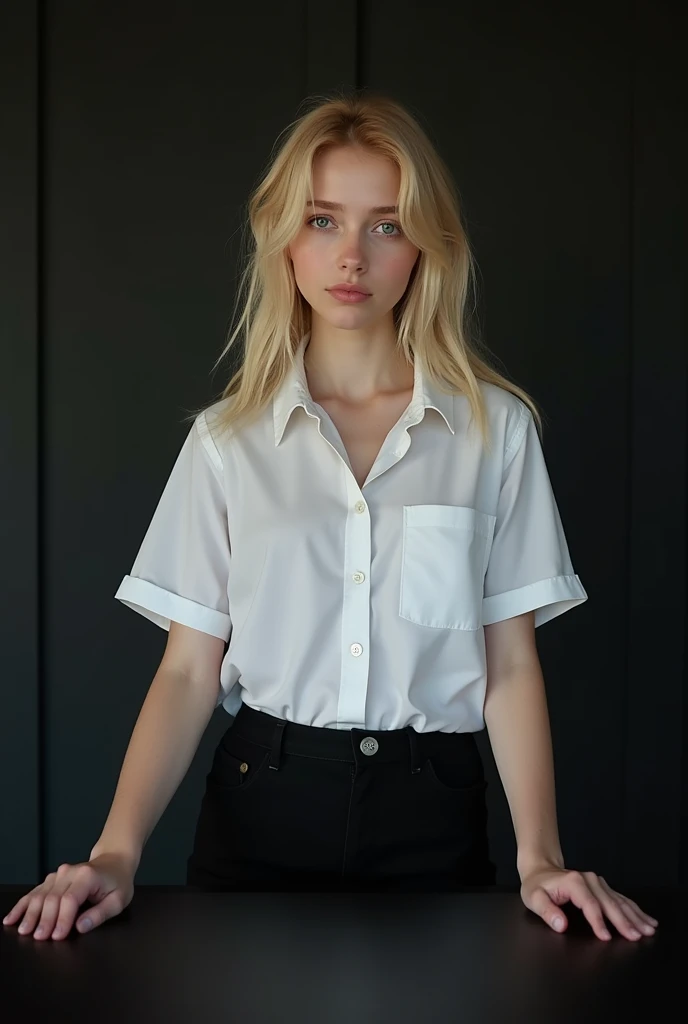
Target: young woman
{"points": [[351, 555]]}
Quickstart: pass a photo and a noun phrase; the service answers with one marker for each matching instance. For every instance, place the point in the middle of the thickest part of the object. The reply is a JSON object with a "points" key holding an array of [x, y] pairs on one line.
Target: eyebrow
{"points": [[338, 206]]}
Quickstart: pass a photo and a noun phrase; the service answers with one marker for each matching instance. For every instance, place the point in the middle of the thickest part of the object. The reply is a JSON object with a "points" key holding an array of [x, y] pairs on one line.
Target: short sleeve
{"points": [[529, 567], [181, 569]]}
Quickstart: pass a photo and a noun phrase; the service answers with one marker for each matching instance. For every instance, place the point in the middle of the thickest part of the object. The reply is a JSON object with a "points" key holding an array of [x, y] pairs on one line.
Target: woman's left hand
{"points": [[545, 889]]}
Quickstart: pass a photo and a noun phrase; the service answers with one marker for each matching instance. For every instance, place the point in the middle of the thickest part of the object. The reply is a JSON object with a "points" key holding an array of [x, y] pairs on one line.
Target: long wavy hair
{"points": [[433, 320]]}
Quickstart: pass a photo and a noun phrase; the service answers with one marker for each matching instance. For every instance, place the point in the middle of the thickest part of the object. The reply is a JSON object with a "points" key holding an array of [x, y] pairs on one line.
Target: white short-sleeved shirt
{"points": [[356, 608]]}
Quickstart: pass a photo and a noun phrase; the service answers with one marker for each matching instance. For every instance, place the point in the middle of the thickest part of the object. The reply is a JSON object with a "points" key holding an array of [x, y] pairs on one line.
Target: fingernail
{"points": [[605, 934], [85, 924], [558, 923], [635, 934]]}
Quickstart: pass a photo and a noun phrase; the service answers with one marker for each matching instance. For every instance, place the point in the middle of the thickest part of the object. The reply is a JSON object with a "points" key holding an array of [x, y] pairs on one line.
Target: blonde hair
{"points": [[432, 320]]}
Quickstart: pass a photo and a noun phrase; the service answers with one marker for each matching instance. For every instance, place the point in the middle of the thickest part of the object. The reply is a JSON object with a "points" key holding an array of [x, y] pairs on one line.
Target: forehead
{"points": [[354, 176]]}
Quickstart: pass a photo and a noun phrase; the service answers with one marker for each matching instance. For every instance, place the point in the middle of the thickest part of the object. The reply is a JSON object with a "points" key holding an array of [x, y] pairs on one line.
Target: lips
{"points": [[342, 295], [348, 288]]}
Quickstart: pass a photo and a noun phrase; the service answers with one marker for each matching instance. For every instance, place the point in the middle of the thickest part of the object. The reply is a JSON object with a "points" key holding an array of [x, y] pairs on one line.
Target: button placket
{"points": [[356, 611]]}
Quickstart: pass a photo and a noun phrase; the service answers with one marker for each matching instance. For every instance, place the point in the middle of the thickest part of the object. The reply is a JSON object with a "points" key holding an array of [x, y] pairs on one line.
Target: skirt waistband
{"points": [[353, 745]]}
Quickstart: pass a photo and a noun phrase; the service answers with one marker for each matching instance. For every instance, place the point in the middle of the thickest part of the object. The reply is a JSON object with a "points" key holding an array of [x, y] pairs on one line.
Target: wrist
{"points": [[130, 855], [528, 862]]}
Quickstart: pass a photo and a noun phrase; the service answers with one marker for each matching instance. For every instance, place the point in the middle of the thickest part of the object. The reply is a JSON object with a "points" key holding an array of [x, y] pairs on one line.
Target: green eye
{"points": [[385, 224]]}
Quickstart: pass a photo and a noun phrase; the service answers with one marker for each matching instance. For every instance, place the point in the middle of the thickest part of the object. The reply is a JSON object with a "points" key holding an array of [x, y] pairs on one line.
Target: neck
{"points": [[344, 366]]}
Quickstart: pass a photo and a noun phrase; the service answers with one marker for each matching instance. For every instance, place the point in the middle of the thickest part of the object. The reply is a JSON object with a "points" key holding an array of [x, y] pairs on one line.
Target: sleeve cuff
{"points": [[161, 606], [548, 598]]}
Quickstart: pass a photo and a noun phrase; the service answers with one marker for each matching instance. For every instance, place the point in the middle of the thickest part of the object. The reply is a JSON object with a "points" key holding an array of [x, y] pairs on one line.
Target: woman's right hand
{"points": [[107, 881]]}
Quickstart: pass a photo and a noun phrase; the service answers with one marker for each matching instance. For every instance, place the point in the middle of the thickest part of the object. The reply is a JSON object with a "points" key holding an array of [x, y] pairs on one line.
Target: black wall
{"points": [[131, 136]]}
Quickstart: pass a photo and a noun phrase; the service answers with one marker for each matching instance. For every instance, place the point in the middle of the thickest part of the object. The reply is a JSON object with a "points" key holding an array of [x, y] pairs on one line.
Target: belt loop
{"points": [[277, 745], [413, 745]]}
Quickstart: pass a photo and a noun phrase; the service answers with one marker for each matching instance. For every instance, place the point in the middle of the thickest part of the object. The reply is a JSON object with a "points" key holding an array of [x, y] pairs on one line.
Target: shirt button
{"points": [[360, 506], [358, 577], [356, 649]]}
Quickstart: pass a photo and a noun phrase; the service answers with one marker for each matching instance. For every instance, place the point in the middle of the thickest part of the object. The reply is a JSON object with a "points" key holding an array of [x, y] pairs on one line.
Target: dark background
{"points": [[132, 134]]}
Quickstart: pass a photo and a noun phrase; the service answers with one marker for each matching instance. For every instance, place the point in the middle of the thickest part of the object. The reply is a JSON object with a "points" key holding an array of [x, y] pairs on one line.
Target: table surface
{"points": [[473, 955]]}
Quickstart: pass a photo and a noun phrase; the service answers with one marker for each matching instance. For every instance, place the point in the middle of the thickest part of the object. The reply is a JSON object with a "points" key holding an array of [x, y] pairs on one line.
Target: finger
{"points": [[588, 894], [624, 925], [645, 917], [582, 896], [18, 909], [635, 921], [641, 921], [51, 908], [624, 899], [51, 902], [71, 885], [596, 902], [33, 910], [541, 904], [84, 884], [112, 905], [62, 917]]}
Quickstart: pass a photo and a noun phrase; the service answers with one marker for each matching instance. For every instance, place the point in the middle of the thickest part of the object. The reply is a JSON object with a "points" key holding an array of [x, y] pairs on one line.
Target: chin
{"points": [[351, 317]]}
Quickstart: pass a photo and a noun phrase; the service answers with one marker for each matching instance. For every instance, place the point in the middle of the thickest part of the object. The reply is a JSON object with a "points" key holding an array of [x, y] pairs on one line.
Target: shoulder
{"points": [[508, 416], [209, 418], [207, 425]]}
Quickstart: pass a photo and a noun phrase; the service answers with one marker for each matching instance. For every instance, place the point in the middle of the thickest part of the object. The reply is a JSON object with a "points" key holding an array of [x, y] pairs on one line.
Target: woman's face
{"points": [[352, 244]]}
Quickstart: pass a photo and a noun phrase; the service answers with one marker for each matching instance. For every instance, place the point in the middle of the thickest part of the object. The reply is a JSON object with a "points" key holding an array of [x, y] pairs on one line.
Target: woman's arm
{"points": [[517, 722], [172, 720]]}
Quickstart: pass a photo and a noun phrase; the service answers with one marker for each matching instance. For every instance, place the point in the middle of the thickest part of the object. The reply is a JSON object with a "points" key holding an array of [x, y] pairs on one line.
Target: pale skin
{"points": [[354, 372], [350, 357]]}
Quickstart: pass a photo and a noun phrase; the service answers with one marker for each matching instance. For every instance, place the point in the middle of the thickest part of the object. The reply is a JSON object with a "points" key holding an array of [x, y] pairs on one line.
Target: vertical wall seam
{"points": [[41, 772]]}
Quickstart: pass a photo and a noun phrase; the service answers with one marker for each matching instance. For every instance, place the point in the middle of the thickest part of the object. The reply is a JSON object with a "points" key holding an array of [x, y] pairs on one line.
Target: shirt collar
{"points": [[294, 393]]}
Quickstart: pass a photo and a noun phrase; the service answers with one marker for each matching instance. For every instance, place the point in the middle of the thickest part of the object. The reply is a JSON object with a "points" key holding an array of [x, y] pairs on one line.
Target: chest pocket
{"points": [[445, 551]]}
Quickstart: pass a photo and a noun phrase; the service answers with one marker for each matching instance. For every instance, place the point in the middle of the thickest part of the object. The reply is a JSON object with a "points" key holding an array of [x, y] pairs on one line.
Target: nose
{"points": [[351, 255], [352, 259]]}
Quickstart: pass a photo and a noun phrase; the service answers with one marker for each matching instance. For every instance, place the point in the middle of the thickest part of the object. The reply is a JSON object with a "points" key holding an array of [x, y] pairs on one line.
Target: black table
{"points": [[431, 957]]}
